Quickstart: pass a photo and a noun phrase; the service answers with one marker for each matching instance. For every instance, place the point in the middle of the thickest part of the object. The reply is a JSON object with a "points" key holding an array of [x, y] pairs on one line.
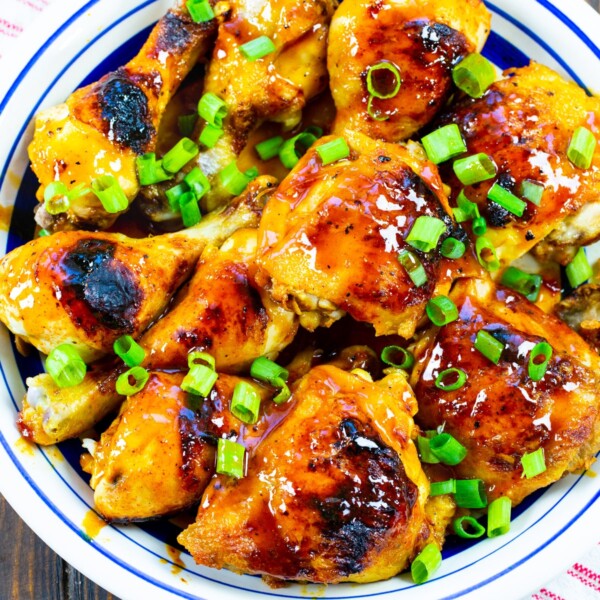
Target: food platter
{"points": [[76, 43]]}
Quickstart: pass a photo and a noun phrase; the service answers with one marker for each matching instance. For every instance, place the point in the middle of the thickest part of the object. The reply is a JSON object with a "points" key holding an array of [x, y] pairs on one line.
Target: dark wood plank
{"points": [[81, 588]]}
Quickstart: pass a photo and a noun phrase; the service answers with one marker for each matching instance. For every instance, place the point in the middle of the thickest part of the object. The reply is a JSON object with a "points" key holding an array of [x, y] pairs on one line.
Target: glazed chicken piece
{"points": [[422, 40], [525, 123], [333, 492], [581, 312], [103, 127], [330, 237], [89, 289], [500, 414], [273, 88], [219, 311]]}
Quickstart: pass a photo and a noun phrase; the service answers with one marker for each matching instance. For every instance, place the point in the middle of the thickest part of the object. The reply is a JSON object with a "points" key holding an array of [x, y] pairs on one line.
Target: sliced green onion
{"points": [[200, 10], [110, 194], [441, 311], [266, 370], [532, 191], [65, 366], [179, 155], [251, 173], [444, 143], [199, 380], [486, 254], [489, 346], [425, 453], [475, 168], [537, 368], [441, 488], [470, 493], [245, 402], [43, 233], [150, 170], [334, 150], [257, 48], [55, 189], [450, 379], [468, 527], [57, 205], [479, 226], [506, 200], [426, 563], [210, 135], [201, 358], [197, 182], [190, 211], [398, 357], [129, 351], [425, 233], [293, 149], [533, 463], [269, 149], [387, 82], [582, 147], [283, 394], [498, 522], [524, 283], [233, 180], [175, 193], [314, 130], [230, 458], [452, 248], [466, 209], [373, 113], [474, 75], [447, 448], [413, 266], [187, 123], [212, 109], [124, 384], [79, 190], [579, 269]]}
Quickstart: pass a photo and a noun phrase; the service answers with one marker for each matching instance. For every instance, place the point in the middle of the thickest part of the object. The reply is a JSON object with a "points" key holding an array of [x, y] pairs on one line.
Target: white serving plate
{"points": [[46, 487]]}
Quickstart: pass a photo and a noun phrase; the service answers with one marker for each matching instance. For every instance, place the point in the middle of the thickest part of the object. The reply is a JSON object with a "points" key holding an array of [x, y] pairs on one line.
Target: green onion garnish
{"points": [[200, 10], [129, 351], [440, 488], [425, 453], [498, 521], [314, 130], [450, 379], [579, 269], [79, 190], [268, 149], [201, 358], [266, 370], [150, 170], [398, 357], [230, 458], [444, 143], [293, 149], [179, 155], [533, 463], [479, 226], [43, 233], [470, 493], [538, 360], [245, 402], [486, 254], [56, 204], [426, 563], [109, 192], [447, 448], [425, 233], [132, 381], [333, 150], [175, 193], [475, 168], [65, 366], [466, 209], [199, 380], [441, 311], [468, 527], [474, 75], [233, 180], [374, 113], [212, 109], [187, 123], [524, 283], [532, 191], [210, 135], [383, 80], [54, 189], [453, 248], [506, 200], [190, 211], [489, 346], [582, 147], [413, 266], [283, 394], [197, 182], [257, 48]]}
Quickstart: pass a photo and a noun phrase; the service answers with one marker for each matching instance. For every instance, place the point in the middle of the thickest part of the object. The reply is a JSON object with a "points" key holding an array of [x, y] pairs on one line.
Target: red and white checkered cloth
{"points": [[580, 582]]}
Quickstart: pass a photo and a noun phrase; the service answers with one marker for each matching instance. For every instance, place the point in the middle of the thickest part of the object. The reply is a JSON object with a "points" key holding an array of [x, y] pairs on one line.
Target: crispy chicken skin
{"points": [[334, 491], [525, 123], [500, 413], [581, 312], [424, 40], [330, 237], [102, 127], [90, 288]]}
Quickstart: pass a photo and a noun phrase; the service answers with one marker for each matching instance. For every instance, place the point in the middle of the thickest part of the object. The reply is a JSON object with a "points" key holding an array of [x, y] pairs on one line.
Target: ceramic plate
{"points": [[76, 43]]}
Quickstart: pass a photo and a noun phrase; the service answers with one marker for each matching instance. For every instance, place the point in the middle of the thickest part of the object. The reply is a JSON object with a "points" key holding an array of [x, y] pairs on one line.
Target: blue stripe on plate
{"points": [[504, 54]]}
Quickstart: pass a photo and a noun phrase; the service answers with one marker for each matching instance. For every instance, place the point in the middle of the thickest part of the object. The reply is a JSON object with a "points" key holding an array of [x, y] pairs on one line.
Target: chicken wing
{"points": [[500, 413], [334, 492], [422, 40]]}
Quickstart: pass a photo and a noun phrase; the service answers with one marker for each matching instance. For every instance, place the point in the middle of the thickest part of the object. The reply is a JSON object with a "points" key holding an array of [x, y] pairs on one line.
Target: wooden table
{"points": [[29, 570]]}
